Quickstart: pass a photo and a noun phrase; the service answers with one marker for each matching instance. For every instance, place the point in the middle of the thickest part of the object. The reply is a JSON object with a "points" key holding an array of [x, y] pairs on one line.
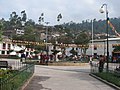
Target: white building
{"points": [[99, 46], [6, 45], [19, 32]]}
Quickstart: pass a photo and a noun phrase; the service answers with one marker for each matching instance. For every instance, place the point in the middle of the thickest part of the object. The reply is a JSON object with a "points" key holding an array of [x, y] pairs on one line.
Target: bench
{"points": [[4, 64]]}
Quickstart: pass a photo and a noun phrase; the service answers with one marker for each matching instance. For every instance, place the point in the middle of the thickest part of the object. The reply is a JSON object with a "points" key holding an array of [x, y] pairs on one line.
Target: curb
{"points": [[106, 82], [68, 64], [26, 83]]}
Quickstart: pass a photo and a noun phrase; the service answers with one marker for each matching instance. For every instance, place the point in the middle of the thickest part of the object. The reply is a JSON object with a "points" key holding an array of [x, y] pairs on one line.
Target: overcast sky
{"points": [[71, 10]]}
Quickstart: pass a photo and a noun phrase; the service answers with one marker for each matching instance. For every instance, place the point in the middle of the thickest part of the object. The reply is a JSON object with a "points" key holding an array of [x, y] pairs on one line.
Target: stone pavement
{"points": [[64, 78]]}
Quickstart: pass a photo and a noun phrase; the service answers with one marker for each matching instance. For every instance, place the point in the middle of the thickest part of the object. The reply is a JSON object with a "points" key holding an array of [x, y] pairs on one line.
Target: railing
{"points": [[14, 79], [111, 75], [112, 67]]}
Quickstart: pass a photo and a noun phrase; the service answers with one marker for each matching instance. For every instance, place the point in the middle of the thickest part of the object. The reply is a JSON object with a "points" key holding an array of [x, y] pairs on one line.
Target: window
{"points": [[8, 52], [3, 52], [4, 46], [8, 46]]}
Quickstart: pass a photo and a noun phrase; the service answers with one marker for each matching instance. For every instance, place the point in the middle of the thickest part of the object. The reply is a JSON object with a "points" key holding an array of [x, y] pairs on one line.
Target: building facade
{"points": [[98, 47], [7, 47]]}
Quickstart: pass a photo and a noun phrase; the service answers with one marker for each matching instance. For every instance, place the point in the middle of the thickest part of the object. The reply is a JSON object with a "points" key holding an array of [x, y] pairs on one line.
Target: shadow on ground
{"points": [[34, 83]]}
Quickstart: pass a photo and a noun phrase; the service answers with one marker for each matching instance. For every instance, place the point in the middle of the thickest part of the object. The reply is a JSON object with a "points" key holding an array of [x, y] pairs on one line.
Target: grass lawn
{"points": [[110, 77]]}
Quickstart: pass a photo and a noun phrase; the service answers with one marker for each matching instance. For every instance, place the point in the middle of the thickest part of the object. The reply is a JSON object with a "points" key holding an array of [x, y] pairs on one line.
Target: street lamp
{"points": [[47, 37], [92, 37], [107, 18], [41, 19]]}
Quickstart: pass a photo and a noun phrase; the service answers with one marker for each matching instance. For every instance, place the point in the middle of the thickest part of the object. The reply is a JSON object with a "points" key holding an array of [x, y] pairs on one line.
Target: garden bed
{"points": [[14, 79]]}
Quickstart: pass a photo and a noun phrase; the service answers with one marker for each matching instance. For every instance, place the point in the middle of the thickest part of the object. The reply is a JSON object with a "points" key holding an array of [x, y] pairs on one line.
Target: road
{"points": [[64, 78]]}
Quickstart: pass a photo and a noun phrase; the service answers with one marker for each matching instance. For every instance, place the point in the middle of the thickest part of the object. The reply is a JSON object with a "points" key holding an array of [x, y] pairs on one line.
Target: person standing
{"points": [[23, 57], [90, 62], [101, 63]]}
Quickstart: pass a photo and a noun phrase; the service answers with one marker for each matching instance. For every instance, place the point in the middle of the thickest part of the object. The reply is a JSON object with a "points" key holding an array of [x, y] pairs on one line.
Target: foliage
{"points": [[1, 29], [15, 79], [110, 77], [74, 52], [116, 48], [82, 39], [71, 32], [65, 39], [36, 52], [40, 48], [99, 26], [3, 73]]}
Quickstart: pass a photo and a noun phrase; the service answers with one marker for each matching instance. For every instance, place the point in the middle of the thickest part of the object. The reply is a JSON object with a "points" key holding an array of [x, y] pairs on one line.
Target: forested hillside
{"points": [[99, 26], [33, 29]]}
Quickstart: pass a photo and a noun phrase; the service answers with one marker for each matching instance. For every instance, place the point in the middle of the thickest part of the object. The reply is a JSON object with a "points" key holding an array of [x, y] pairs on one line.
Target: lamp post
{"points": [[41, 19], [47, 37], [107, 18], [92, 38]]}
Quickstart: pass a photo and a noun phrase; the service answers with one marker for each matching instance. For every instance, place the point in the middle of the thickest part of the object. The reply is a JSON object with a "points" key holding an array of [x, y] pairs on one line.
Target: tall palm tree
{"points": [[24, 17]]}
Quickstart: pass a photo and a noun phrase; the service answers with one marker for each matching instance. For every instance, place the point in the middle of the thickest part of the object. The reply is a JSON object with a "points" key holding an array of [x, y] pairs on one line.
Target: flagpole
{"points": [[92, 39]]}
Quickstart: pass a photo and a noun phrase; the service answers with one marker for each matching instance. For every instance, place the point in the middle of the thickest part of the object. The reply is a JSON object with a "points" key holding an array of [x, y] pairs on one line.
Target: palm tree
{"points": [[41, 18], [59, 17], [13, 19], [24, 17]]}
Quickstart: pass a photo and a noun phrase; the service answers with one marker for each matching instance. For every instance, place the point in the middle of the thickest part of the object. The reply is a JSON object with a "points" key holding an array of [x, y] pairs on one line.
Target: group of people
{"points": [[101, 62], [44, 58]]}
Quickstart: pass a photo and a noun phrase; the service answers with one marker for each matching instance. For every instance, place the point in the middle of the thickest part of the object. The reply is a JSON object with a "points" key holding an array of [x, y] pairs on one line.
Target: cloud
{"points": [[72, 10]]}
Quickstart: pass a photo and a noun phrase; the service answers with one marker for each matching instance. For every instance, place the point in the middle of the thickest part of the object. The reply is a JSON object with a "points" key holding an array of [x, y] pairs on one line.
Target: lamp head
{"points": [[101, 10]]}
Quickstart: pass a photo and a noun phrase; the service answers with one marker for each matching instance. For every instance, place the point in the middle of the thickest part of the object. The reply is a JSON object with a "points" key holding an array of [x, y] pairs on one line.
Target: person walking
{"points": [[91, 63]]}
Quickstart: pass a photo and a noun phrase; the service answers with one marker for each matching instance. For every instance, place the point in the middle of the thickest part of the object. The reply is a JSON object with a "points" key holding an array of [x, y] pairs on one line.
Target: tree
{"points": [[41, 18], [24, 17], [65, 39], [82, 39], [116, 48], [73, 51], [13, 20], [1, 29], [29, 34], [59, 17]]}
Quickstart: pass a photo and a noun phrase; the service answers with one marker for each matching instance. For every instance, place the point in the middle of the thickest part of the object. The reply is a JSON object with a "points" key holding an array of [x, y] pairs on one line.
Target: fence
{"points": [[112, 75], [14, 79], [112, 67]]}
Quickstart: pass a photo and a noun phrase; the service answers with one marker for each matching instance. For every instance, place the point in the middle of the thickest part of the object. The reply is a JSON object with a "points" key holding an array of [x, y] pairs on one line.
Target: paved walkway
{"points": [[64, 78]]}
